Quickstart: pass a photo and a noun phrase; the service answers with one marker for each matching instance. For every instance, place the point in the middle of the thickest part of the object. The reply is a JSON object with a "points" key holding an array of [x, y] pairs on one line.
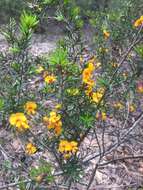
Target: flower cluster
{"points": [[19, 120], [30, 108], [139, 22], [97, 96], [87, 76], [49, 79], [54, 122], [68, 148], [30, 149]]}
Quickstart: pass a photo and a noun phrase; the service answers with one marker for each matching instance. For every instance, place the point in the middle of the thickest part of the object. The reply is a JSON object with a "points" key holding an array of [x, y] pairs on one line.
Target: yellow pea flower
{"points": [[30, 149], [30, 108], [96, 96], [67, 148], [19, 120], [138, 22], [58, 106], [49, 79], [54, 122]]}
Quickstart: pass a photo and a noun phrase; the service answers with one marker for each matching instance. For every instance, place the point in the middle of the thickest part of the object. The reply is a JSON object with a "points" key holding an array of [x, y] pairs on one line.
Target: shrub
{"points": [[70, 99]]}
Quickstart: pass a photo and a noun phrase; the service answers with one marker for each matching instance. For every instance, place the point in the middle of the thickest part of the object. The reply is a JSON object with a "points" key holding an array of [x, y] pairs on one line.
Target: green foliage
{"points": [[87, 120], [59, 57], [27, 22], [139, 50], [1, 103], [44, 170], [85, 89]]}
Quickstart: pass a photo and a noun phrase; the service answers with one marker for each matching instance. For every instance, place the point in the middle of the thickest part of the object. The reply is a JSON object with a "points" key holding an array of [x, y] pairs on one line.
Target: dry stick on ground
{"points": [[135, 41], [4, 153]]}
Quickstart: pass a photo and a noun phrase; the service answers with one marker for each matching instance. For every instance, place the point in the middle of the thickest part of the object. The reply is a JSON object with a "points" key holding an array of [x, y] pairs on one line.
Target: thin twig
{"points": [[120, 159]]}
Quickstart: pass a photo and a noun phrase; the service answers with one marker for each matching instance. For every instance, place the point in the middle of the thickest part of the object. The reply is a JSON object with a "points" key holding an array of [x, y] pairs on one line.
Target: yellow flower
{"points": [[91, 67], [74, 146], [96, 96], [86, 75], [49, 79], [88, 91], [58, 129], [118, 105], [138, 22], [131, 108], [30, 149], [54, 122], [62, 145], [45, 119], [19, 121], [67, 148], [39, 69], [54, 117], [67, 156], [58, 106], [101, 115], [30, 108], [106, 34]]}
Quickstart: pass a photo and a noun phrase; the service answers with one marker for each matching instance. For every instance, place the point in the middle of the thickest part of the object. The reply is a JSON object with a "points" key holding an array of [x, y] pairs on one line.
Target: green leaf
{"points": [[87, 120], [27, 22], [103, 82], [1, 103], [59, 57], [59, 16]]}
